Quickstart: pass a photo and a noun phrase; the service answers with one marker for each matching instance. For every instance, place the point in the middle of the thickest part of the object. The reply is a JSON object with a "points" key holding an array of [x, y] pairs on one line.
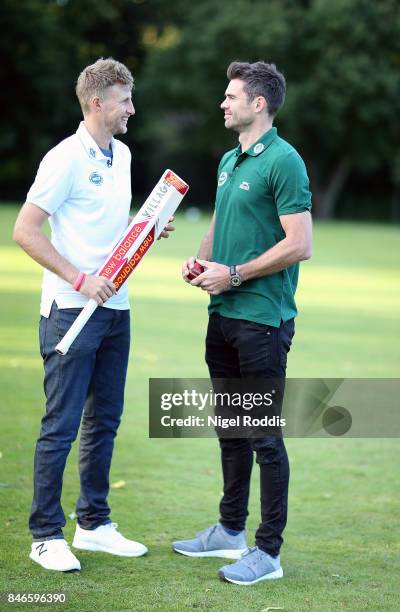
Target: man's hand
{"points": [[187, 266], [167, 229], [98, 288], [215, 280]]}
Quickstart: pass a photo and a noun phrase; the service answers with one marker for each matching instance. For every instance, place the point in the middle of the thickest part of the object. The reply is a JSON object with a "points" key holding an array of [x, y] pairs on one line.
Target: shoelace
{"points": [[112, 526], [250, 559], [116, 533]]}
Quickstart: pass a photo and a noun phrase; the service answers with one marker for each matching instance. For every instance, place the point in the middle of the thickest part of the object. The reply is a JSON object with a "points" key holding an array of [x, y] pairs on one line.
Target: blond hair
{"points": [[94, 80]]}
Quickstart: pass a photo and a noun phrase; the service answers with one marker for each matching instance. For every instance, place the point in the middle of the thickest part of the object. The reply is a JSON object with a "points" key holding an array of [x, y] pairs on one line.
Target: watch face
{"points": [[236, 281]]}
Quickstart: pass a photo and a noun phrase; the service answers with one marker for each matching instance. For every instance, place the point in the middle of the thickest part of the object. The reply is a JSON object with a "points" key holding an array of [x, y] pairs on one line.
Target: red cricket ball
{"points": [[195, 271]]}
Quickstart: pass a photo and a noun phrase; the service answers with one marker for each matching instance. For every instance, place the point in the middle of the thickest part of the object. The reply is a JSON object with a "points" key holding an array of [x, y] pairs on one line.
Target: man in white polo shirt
{"points": [[83, 187]]}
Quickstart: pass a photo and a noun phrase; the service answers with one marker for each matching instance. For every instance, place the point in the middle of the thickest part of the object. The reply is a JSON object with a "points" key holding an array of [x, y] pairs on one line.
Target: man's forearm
{"points": [[38, 246], [282, 255], [205, 250]]}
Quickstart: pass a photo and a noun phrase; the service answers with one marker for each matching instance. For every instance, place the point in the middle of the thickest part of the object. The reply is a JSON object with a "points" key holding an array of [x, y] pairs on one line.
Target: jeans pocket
{"points": [[63, 319], [42, 335], [92, 333], [257, 348], [286, 334]]}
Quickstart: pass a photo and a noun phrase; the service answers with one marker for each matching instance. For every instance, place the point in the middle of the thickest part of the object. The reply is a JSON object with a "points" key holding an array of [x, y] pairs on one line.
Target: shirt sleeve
{"points": [[290, 184], [52, 182]]}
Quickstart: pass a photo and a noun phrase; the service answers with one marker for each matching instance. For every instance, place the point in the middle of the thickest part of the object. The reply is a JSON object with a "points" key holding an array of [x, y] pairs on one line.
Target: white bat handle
{"points": [[81, 320]]}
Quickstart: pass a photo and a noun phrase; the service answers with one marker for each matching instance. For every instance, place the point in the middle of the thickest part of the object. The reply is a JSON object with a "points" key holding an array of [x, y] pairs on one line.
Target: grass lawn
{"points": [[342, 543]]}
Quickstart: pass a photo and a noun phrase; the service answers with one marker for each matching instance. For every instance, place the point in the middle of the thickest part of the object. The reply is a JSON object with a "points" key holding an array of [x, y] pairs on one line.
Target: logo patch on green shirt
{"points": [[258, 148], [222, 178]]}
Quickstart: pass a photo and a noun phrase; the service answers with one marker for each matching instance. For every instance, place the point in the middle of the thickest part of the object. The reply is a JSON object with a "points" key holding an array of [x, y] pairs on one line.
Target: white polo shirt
{"points": [[88, 201]]}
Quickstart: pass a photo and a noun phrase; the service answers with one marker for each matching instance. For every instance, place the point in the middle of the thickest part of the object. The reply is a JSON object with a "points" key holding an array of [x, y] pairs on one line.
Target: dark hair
{"points": [[260, 79]]}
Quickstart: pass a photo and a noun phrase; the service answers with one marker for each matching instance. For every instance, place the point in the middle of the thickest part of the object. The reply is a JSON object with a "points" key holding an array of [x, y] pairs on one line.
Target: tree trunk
{"points": [[326, 193]]}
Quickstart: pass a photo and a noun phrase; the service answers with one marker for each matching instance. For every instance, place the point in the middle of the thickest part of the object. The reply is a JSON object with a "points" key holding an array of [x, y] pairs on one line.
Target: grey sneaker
{"points": [[253, 566], [213, 542]]}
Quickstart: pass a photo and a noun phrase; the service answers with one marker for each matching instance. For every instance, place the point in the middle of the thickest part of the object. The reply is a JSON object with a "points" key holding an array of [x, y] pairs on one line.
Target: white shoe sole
{"points": [[234, 553], [70, 568], [91, 546], [272, 576]]}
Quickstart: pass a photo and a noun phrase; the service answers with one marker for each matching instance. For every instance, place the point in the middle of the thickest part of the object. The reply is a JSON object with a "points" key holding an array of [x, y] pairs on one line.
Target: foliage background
{"points": [[341, 60]]}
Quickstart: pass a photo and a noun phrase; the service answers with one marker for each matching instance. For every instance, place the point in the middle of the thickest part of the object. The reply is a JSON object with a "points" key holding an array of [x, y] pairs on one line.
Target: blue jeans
{"points": [[236, 348], [86, 384]]}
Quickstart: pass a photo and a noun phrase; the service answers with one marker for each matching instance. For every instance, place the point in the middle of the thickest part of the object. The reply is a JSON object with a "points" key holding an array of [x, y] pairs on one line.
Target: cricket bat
{"points": [[138, 239]]}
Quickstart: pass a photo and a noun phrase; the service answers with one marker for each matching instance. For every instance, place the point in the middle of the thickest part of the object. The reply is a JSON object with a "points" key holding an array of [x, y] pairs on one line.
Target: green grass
{"points": [[341, 548]]}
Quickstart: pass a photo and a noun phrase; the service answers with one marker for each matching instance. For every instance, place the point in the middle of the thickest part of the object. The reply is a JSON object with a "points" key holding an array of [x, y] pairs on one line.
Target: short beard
{"points": [[116, 128], [240, 127]]}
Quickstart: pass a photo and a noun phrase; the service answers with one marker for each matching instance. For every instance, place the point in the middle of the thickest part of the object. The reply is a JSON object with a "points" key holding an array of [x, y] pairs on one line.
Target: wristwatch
{"points": [[236, 279]]}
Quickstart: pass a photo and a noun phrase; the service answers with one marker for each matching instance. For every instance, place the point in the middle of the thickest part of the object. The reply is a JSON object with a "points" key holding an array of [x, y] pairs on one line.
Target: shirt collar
{"points": [[261, 145], [92, 148]]}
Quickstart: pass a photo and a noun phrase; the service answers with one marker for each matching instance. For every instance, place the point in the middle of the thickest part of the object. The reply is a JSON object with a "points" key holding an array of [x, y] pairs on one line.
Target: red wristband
{"points": [[79, 281]]}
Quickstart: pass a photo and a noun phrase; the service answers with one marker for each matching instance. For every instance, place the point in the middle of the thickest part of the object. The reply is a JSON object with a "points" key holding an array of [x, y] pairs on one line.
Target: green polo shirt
{"points": [[254, 188]]}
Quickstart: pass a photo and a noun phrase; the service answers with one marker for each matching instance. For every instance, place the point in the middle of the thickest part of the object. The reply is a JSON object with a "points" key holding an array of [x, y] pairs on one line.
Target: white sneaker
{"points": [[54, 555], [106, 538]]}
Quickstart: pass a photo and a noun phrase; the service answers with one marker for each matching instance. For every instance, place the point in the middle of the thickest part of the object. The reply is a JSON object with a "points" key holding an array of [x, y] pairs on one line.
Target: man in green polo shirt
{"points": [[260, 231]]}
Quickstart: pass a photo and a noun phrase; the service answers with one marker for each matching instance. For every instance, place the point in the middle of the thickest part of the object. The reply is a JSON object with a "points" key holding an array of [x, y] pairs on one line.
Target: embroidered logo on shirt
{"points": [[222, 178], [92, 152], [96, 178], [244, 185], [258, 148]]}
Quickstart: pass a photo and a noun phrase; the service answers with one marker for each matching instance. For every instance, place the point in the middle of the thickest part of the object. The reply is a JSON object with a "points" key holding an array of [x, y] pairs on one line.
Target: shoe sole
{"points": [[234, 553], [55, 569], [99, 548], [272, 576]]}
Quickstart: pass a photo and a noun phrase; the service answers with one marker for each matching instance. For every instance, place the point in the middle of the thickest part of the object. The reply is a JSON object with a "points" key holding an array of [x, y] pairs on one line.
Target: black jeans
{"points": [[85, 385], [236, 348]]}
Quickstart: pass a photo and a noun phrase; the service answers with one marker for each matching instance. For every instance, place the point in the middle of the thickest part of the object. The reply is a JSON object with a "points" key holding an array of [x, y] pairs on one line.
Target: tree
{"points": [[45, 45], [341, 60]]}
